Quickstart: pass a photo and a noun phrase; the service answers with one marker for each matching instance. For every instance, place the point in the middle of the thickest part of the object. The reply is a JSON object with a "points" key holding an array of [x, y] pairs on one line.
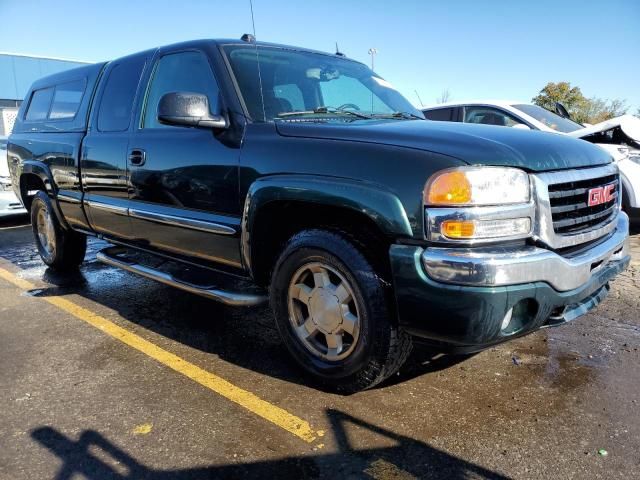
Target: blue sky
{"points": [[475, 49]]}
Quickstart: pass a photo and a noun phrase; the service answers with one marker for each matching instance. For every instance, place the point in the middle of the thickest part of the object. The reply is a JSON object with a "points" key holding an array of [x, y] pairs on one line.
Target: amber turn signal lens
{"points": [[450, 188], [458, 229]]}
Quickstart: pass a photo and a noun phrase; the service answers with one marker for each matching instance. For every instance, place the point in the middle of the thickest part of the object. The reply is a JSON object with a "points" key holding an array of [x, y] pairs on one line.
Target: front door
{"points": [[184, 181]]}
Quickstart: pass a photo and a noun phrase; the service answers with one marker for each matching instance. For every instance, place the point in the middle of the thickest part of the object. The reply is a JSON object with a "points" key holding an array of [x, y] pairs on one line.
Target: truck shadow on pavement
{"points": [[97, 458]]}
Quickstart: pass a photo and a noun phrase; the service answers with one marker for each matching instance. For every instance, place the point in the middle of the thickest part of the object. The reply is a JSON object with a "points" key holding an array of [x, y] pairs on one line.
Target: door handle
{"points": [[137, 157]]}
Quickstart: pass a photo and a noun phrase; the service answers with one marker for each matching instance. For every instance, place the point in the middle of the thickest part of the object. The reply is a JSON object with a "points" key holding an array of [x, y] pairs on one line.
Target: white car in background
{"points": [[620, 136], [9, 203]]}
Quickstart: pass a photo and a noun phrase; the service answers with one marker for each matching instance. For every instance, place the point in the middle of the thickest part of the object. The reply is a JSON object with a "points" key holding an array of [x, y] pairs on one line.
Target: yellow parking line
{"points": [[276, 415]]}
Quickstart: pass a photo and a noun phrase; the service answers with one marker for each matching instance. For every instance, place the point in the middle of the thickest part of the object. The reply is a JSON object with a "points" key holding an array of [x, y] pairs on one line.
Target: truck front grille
{"points": [[570, 209]]}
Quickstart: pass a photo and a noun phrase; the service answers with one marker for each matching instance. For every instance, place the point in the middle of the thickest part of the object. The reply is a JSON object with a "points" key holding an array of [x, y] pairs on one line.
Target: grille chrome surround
{"points": [[552, 235]]}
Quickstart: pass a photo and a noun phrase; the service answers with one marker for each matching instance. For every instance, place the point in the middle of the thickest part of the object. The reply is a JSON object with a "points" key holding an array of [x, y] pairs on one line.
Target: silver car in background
{"points": [[9, 203]]}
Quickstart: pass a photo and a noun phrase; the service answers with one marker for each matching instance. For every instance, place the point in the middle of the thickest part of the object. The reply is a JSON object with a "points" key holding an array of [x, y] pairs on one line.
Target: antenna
{"points": [[253, 23], [418, 95], [338, 52]]}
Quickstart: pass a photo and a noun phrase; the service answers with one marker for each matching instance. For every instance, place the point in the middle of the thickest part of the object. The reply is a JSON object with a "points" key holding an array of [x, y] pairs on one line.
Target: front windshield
{"points": [[550, 119], [311, 84]]}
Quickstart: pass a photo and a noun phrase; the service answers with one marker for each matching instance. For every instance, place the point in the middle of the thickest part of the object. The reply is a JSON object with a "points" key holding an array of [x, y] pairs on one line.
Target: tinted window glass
{"points": [[39, 105], [119, 92], [490, 116], [307, 81], [346, 90], [289, 96], [550, 119], [180, 72], [66, 99], [441, 114]]}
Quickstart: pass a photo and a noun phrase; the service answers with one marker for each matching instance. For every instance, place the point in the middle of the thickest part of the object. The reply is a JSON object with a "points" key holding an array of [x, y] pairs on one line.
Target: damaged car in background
{"points": [[620, 136]]}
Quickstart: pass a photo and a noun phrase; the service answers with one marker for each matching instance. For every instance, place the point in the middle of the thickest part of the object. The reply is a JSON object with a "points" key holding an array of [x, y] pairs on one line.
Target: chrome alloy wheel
{"points": [[46, 231], [323, 311]]}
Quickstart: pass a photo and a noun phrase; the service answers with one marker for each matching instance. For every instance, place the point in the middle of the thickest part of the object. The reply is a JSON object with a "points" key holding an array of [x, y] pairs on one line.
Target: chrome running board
{"points": [[114, 256]]}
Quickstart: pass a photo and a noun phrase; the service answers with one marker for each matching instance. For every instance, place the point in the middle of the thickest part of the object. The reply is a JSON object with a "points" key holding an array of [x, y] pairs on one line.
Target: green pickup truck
{"points": [[261, 172]]}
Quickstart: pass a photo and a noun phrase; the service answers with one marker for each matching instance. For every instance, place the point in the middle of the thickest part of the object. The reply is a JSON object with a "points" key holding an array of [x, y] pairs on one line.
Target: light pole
{"points": [[372, 52]]}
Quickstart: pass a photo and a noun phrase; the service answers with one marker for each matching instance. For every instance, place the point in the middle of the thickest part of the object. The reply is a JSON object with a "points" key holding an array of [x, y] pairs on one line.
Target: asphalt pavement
{"points": [[106, 375]]}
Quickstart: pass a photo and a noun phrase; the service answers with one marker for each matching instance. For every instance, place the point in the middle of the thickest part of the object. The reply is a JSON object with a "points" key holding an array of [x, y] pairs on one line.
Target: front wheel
{"points": [[60, 249], [334, 312]]}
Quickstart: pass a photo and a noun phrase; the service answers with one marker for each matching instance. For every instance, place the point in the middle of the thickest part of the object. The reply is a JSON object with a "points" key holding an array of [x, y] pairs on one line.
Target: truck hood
{"points": [[474, 144], [628, 124]]}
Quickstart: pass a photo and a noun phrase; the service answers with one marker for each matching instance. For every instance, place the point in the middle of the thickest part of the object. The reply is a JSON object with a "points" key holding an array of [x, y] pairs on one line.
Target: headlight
{"points": [[473, 186], [478, 205]]}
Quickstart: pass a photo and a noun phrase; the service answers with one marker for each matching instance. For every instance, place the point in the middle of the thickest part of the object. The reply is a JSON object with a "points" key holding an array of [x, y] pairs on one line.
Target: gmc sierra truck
{"points": [[249, 172]]}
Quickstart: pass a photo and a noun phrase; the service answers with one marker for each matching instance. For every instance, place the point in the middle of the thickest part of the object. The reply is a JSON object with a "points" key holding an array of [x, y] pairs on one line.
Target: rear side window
{"points": [[114, 114], [441, 114], [66, 100], [39, 105]]}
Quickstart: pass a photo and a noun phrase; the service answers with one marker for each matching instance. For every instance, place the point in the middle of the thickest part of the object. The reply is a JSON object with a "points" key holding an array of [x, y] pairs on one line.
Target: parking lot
{"points": [[107, 375]]}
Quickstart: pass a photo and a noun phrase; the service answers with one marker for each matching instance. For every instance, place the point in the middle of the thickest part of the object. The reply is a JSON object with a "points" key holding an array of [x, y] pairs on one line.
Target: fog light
{"points": [[506, 320], [476, 229], [458, 229]]}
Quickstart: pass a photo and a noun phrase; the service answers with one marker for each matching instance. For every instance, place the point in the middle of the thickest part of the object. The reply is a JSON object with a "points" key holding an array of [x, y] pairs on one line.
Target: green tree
{"points": [[571, 97], [597, 110], [582, 109]]}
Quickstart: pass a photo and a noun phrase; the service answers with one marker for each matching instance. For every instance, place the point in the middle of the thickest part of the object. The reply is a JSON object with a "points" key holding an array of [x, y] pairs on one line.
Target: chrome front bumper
{"points": [[501, 266]]}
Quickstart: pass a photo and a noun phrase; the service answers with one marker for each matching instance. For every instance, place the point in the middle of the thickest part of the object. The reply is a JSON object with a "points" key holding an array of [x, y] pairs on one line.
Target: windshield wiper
{"points": [[406, 115], [325, 111]]}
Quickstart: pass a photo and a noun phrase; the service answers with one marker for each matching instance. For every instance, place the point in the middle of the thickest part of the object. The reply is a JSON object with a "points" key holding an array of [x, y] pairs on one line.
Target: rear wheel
{"points": [[334, 312], [60, 249]]}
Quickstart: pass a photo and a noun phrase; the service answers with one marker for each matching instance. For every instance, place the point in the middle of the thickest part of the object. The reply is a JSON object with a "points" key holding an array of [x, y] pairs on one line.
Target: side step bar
{"points": [[110, 256]]}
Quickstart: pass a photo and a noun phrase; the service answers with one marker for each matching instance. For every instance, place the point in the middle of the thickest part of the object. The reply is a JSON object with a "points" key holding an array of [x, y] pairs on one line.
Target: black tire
{"points": [[64, 249], [381, 346]]}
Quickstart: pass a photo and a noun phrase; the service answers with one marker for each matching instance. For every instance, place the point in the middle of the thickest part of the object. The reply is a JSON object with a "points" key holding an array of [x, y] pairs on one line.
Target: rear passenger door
{"points": [[184, 195], [104, 151]]}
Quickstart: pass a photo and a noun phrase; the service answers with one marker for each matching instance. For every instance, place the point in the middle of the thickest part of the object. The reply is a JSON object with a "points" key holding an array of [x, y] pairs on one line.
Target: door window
{"points": [[180, 72], [119, 93], [490, 116]]}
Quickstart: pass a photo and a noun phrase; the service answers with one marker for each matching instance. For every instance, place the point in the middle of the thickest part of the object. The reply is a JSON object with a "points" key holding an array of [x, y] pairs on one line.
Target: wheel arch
{"points": [[279, 206], [37, 176]]}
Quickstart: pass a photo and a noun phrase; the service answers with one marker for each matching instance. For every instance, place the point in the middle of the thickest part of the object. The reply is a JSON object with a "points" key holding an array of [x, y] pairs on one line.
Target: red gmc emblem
{"points": [[601, 195]]}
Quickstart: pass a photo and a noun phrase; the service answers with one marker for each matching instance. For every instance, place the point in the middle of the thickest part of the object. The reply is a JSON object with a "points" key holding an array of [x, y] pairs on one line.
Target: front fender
{"points": [[375, 201]]}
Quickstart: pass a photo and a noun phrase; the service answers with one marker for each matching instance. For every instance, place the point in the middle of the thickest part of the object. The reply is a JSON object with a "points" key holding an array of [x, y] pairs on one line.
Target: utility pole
{"points": [[372, 52]]}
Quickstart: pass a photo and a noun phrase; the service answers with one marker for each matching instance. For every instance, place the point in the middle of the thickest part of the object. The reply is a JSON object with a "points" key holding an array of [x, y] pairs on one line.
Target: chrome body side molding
{"points": [[182, 222]]}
